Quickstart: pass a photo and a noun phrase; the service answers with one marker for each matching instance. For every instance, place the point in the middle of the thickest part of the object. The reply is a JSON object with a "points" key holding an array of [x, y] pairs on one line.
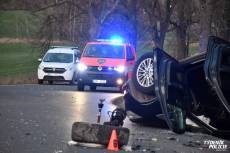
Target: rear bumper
{"points": [[106, 78]]}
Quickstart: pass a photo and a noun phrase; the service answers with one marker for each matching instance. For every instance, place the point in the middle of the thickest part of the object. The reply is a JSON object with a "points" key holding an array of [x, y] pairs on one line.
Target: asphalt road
{"points": [[38, 119]]}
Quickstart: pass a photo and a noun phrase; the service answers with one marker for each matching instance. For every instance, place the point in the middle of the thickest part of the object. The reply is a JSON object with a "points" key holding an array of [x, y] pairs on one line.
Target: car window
{"points": [[104, 51], [129, 52], [58, 57]]}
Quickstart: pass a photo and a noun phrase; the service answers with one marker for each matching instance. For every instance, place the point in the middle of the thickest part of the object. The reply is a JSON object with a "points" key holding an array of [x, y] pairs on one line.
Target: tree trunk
{"points": [[133, 16], [181, 47], [94, 24], [159, 42], [227, 19], [205, 23]]}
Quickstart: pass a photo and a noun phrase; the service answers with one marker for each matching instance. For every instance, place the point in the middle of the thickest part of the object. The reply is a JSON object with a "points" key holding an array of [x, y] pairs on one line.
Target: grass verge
{"points": [[18, 63]]}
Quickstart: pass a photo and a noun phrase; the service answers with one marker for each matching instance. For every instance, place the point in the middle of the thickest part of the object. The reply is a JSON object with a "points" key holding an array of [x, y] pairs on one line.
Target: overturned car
{"points": [[162, 87]]}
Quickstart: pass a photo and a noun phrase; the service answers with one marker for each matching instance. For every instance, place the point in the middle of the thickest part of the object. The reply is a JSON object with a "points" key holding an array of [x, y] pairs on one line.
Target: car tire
{"points": [[93, 87], [146, 107], [138, 95], [50, 82], [40, 81], [142, 75], [80, 87]]}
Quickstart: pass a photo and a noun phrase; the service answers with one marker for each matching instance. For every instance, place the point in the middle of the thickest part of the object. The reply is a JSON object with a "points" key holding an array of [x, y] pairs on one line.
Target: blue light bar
{"points": [[116, 39]]}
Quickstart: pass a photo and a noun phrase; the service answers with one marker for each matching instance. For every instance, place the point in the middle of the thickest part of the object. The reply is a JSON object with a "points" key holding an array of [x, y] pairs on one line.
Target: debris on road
{"points": [[196, 144], [172, 138], [96, 133], [127, 148], [154, 139], [27, 133], [72, 143], [117, 117], [100, 106]]}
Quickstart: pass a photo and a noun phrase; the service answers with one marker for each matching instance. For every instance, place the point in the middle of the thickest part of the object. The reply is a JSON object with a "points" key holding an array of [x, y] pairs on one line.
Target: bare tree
{"points": [[221, 19], [206, 14], [99, 10], [183, 19], [159, 13]]}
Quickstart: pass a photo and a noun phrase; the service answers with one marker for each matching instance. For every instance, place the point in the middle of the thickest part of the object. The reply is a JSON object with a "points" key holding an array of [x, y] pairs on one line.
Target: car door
{"points": [[217, 69], [170, 89]]}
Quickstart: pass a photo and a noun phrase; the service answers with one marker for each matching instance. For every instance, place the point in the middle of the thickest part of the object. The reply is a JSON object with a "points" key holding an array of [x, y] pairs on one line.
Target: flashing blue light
{"points": [[116, 39]]}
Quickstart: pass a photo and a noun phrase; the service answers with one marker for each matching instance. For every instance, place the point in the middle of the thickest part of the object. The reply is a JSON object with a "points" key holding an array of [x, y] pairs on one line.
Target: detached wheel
{"points": [[142, 76], [40, 81], [80, 87]]}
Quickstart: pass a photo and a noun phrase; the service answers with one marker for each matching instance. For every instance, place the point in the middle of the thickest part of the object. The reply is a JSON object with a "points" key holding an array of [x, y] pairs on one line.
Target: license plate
{"points": [[99, 81], [51, 74]]}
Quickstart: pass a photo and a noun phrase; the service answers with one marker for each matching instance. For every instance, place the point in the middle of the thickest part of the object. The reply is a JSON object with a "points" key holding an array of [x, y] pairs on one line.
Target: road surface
{"points": [[38, 119]]}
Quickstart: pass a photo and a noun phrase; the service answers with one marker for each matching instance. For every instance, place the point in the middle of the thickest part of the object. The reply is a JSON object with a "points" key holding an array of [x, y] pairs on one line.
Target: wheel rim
{"points": [[144, 73]]}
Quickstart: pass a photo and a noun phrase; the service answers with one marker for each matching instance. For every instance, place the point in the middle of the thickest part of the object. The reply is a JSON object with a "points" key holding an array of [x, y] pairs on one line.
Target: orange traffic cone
{"points": [[113, 142]]}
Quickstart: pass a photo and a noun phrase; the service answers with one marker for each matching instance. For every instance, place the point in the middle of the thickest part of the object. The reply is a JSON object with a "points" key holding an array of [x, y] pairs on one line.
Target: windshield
{"points": [[104, 51], [58, 58]]}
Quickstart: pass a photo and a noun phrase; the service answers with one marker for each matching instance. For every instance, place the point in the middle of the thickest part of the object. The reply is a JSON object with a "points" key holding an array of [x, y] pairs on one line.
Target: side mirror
{"points": [[39, 60], [77, 60]]}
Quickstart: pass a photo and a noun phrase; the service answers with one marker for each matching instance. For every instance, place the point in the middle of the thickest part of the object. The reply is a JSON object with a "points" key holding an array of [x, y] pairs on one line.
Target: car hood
{"points": [[56, 65], [102, 61]]}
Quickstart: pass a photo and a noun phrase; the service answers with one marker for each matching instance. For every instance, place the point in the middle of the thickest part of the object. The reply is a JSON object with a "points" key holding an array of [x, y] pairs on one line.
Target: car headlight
{"points": [[120, 69], [81, 67]]}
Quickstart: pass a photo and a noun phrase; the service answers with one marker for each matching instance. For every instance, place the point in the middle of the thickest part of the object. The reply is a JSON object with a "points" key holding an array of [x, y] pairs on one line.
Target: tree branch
{"points": [[59, 4], [106, 14]]}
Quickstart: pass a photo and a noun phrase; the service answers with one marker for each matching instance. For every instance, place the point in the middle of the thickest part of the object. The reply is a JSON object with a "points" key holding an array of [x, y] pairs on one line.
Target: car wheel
{"points": [[40, 81], [141, 107], [142, 76], [138, 95], [80, 87], [50, 82], [93, 88]]}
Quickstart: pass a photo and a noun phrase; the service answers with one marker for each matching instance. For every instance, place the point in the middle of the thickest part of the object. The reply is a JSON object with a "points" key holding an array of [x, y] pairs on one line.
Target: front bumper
{"points": [[66, 76], [101, 78]]}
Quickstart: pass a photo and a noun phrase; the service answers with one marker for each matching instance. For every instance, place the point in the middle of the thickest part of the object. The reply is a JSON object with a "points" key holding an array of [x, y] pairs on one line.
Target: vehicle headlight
{"points": [[81, 67], [120, 69]]}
